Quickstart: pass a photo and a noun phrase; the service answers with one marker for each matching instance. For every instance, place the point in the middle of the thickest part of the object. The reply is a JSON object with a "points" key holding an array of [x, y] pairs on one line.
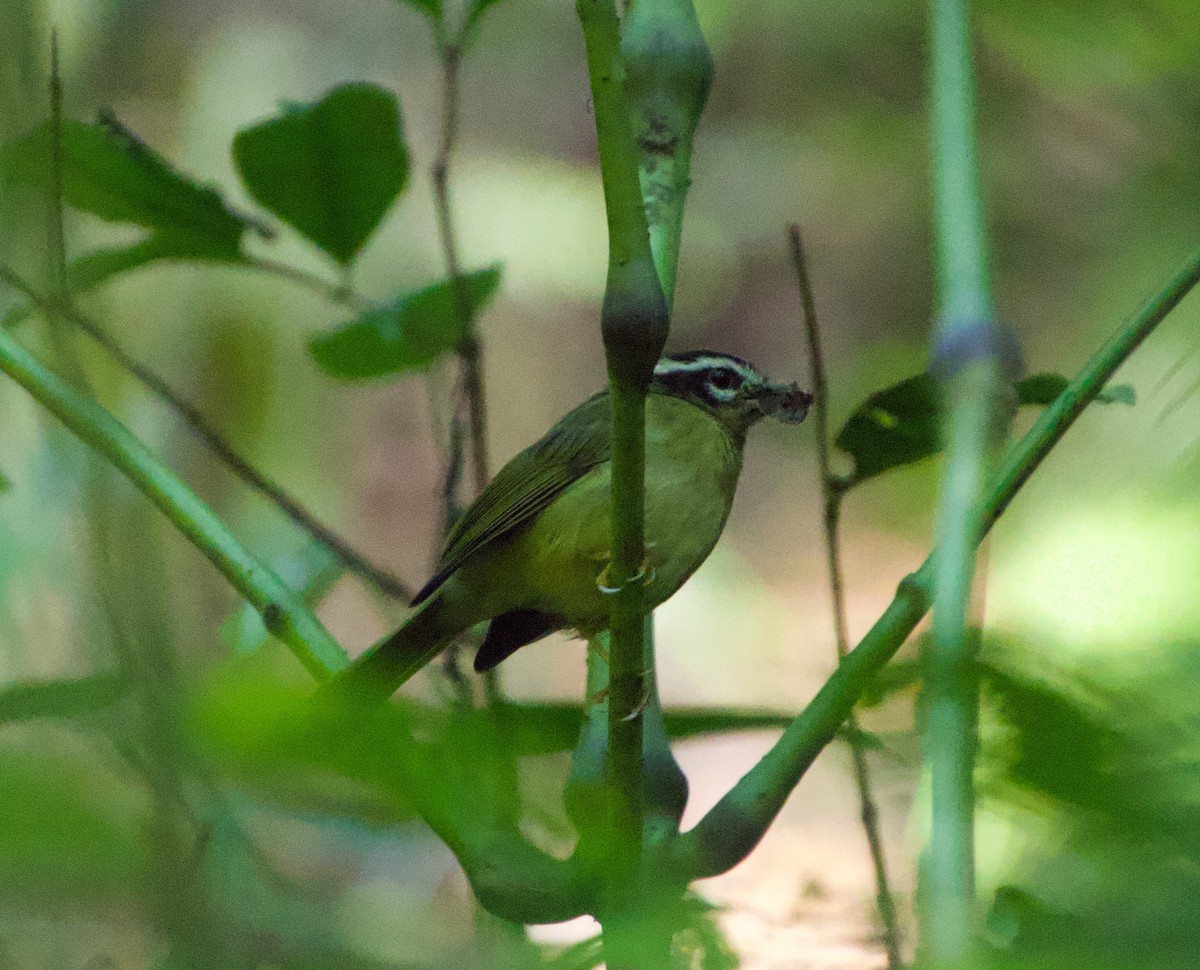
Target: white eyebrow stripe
{"points": [[702, 364]]}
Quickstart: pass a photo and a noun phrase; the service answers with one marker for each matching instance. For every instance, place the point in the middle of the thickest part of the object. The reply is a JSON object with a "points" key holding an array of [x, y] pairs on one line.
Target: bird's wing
{"points": [[527, 484]]}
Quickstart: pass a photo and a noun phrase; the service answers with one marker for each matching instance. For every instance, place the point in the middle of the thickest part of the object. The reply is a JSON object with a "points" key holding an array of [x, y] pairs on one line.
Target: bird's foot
{"points": [[645, 575]]}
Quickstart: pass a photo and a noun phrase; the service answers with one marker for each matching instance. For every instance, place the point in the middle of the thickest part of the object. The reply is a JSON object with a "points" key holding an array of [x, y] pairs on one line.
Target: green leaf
{"points": [[896, 426], [5, 483], [330, 169], [1044, 388], [408, 333], [901, 424], [90, 270], [74, 831], [431, 8], [110, 173]]}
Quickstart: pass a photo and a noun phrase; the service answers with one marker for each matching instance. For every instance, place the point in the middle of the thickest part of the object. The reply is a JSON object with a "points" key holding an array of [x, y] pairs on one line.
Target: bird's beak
{"points": [[786, 402]]}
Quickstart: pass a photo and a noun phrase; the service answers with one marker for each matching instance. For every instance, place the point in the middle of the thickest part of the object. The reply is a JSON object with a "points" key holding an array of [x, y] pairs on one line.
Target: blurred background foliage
{"points": [[149, 822]]}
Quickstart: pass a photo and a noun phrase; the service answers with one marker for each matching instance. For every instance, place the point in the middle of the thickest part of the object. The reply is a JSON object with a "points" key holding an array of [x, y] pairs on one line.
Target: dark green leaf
{"points": [[1044, 388], [893, 427], [431, 8], [901, 424], [1040, 388], [59, 698], [330, 169], [92, 269], [110, 173], [408, 333], [5, 483]]}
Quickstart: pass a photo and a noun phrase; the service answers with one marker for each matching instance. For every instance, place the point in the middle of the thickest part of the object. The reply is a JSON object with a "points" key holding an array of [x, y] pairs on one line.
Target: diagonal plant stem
{"points": [[282, 610], [833, 492], [353, 560], [634, 321], [728, 833]]}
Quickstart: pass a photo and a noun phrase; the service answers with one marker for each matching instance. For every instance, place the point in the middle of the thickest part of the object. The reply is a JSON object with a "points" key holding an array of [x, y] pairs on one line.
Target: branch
{"points": [[976, 360], [451, 52], [333, 292], [669, 71], [634, 321], [728, 833], [381, 579], [283, 612], [833, 492]]}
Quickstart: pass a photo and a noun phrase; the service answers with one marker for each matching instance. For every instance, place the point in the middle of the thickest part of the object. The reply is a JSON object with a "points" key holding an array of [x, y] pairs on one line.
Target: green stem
{"points": [[634, 327], [384, 581], [728, 833], [283, 612], [970, 356], [669, 71]]}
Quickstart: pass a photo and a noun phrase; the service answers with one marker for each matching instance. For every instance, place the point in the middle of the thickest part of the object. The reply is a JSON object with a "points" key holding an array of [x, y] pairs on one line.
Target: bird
{"points": [[529, 555]]}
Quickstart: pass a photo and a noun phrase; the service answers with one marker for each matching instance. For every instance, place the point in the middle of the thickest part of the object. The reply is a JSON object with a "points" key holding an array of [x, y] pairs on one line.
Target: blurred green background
{"points": [[132, 836]]}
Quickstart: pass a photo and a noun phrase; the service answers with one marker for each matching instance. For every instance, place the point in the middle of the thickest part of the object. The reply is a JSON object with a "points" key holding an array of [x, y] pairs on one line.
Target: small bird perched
{"points": [[530, 552]]}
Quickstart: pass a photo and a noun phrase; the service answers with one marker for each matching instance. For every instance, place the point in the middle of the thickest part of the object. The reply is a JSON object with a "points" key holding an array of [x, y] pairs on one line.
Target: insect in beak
{"points": [[785, 402]]}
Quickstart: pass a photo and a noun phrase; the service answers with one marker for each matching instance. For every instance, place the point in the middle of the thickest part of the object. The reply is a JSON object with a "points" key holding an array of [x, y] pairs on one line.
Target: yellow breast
{"points": [[692, 466]]}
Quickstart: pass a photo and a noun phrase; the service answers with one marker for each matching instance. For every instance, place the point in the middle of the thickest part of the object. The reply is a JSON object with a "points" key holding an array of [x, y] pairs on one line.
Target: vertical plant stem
{"points": [[833, 493], [634, 322], [974, 357]]}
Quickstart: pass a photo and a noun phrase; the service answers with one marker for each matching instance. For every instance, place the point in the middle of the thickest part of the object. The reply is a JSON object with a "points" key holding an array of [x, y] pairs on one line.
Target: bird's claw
{"points": [[645, 575]]}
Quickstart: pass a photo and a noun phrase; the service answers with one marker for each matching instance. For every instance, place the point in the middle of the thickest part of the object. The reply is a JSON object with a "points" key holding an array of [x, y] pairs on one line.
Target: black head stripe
{"points": [[689, 375]]}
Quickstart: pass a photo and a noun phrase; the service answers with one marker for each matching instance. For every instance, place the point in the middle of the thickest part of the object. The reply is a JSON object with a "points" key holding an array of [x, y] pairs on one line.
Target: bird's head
{"points": [[729, 388]]}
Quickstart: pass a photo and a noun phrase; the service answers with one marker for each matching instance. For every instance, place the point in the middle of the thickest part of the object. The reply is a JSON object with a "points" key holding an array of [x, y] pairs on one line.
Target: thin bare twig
{"points": [[833, 491], [382, 580], [334, 292], [451, 51], [469, 429]]}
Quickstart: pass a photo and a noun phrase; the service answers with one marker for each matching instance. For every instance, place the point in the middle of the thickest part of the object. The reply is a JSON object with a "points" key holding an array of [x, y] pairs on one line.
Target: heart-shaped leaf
{"points": [[330, 169], [406, 334]]}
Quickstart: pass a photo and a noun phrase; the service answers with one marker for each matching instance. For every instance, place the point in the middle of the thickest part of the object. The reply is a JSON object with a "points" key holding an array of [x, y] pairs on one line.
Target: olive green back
{"points": [[527, 484]]}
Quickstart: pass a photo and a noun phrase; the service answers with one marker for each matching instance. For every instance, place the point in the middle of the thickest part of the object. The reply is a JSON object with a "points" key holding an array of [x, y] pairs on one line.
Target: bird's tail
{"points": [[374, 676]]}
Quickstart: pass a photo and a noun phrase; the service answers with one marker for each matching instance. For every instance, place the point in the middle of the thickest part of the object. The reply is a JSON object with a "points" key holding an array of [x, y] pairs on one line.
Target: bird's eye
{"points": [[723, 380]]}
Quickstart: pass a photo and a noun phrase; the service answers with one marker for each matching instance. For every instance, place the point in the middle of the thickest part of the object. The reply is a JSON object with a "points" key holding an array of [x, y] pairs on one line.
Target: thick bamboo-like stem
{"points": [[976, 359], [727, 834], [634, 320]]}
